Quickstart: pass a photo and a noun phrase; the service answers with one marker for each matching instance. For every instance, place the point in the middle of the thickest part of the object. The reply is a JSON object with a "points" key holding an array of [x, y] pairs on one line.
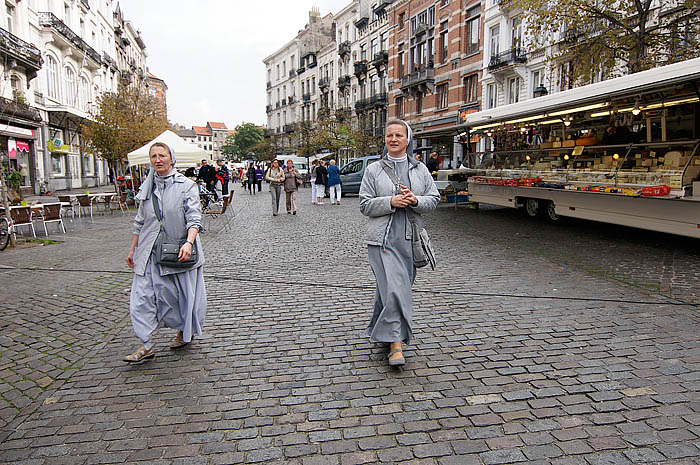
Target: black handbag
{"points": [[168, 249]]}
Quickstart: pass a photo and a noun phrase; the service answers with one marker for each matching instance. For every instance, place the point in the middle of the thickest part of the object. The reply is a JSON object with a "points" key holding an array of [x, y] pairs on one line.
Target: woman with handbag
{"points": [[292, 181], [168, 288], [275, 175], [395, 192]]}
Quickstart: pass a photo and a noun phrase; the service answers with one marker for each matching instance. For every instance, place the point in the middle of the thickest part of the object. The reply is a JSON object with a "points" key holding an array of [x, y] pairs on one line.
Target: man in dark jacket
{"points": [[223, 176], [207, 173], [432, 164], [321, 182]]}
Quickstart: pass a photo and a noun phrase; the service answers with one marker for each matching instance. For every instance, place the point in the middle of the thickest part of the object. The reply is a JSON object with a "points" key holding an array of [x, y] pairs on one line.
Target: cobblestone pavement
{"points": [[534, 343]]}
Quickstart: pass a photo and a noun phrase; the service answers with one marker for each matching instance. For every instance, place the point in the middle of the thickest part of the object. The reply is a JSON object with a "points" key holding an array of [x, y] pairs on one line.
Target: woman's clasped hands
{"points": [[404, 199]]}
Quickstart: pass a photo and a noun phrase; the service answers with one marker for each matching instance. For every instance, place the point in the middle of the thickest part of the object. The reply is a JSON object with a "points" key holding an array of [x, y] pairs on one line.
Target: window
{"points": [[402, 21], [363, 51], [278, 72], [494, 33], [353, 167], [66, 15], [10, 10], [400, 111], [284, 69], [491, 96], [57, 164], [87, 164], [52, 77], [444, 3], [419, 103], [565, 76], [536, 80], [373, 47], [444, 44], [84, 93], [516, 34], [402, 63], [470, 88], [513, 90], [442, 96], [70, 86], [384, 41], [473, 19]]}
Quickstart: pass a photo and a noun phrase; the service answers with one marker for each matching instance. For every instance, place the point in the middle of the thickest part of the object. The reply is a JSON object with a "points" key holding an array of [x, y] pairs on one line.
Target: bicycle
{"points": [[5, 231]]}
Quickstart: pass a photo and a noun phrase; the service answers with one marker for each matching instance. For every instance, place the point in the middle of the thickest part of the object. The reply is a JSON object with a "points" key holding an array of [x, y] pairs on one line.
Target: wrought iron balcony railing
{"points": [[291, 99], [419, 77], [344, 81], [19, 49], [47, 19], [380, 58], [509, 57], [344, 48], [17, 109], [323, 83], [306, 97], [268, 108], [360, 67]]}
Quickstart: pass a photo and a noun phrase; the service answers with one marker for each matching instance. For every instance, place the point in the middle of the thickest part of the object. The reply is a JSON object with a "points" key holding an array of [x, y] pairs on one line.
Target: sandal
{"points": [[177, 341], [398, 361], [140, 355]]}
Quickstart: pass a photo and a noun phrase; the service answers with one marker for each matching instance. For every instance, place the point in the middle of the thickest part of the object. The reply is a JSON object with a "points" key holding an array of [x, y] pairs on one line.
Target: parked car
{"points": [[351, 173]]}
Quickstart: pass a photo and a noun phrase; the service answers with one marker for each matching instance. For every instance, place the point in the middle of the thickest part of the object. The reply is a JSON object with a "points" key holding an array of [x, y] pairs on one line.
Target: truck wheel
{"points": [[549, 211], [532, 207]]}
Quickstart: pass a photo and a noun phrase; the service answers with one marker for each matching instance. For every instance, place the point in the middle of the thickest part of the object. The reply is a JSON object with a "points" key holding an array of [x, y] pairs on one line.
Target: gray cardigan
{"points": [[375, 198], [181, 211]]}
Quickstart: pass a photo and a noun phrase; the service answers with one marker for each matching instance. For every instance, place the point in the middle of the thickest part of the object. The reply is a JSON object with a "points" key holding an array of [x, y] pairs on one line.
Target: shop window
{"points": [[58, 164], [442, 96]]}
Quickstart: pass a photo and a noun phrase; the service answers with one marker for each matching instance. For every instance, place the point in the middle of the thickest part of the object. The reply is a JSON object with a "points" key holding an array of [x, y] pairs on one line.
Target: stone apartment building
{"points": [[158, 90], [210, 138], [58, 58]]}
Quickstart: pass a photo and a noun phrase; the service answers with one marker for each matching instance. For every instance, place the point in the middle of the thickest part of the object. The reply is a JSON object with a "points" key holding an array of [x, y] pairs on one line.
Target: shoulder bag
{"points": [[423, 253], [168, 249]]}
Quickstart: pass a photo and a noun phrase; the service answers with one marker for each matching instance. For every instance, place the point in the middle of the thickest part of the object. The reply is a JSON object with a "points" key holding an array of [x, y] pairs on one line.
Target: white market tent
{"points": [[186, 154]]}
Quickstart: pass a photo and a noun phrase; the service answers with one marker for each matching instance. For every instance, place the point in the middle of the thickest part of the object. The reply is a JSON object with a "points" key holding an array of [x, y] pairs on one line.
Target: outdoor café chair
{"points": [[52, 214], [122, 202], [67, 199], [21, 216], [107, 201], [85, 201], [215, 212]]}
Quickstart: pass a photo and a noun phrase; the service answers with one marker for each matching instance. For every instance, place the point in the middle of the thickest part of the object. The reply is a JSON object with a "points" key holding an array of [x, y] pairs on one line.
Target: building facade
{"points": [[158, 90]]}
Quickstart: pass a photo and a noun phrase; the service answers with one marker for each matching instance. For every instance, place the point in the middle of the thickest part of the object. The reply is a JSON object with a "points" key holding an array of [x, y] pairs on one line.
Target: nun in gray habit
{"points": [[160, 295], [388, 235]]}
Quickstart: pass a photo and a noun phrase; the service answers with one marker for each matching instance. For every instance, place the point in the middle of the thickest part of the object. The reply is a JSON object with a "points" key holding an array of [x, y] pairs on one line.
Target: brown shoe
{"points": [[177, 341], [141, 355]]}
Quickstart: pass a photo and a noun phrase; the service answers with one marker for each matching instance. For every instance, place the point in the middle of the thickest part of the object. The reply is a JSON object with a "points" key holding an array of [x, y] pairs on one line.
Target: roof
{"points": [[201, 130], [186, 133], [215, 125], [231, 132]]}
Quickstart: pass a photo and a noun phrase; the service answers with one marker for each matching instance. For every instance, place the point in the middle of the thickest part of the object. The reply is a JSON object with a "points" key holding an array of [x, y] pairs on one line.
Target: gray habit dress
{"points": [[394, 271], [176, 300]]}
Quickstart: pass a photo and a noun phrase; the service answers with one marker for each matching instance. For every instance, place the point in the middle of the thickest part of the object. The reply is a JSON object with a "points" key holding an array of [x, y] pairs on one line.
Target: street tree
{"points": [[121, 122], [611, 38], [331, 133], [229, 151], [247, 135]]}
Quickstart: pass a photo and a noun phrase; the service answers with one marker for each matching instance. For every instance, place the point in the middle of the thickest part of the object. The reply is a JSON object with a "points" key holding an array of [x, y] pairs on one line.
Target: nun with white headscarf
{"points": [[389, 233], [160, 295]]}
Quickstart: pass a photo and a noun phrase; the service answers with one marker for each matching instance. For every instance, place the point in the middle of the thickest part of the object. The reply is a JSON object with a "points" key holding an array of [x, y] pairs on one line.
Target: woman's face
{"points": [[396, 139], [290, 165], [160, 160], [275, 164]]}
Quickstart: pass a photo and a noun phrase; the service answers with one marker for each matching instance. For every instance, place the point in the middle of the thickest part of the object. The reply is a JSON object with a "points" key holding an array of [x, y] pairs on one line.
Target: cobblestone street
{"points": [[571, 343]]}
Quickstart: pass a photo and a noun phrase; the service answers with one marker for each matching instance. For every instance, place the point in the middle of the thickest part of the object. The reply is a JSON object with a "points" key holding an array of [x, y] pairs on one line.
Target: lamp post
{"points": [[540, 91]]}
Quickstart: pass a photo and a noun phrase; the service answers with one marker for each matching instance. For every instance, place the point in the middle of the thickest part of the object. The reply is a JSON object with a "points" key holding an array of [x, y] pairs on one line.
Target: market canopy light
{"points": [[651, 106], [594, 106]]}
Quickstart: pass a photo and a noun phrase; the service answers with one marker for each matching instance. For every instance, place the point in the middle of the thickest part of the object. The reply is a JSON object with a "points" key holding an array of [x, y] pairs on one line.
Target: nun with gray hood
{"points": [[160, 295], [389, 233]]}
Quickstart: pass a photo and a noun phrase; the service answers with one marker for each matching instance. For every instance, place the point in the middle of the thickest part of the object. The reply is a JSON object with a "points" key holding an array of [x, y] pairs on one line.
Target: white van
{"points": [[299, 163]]}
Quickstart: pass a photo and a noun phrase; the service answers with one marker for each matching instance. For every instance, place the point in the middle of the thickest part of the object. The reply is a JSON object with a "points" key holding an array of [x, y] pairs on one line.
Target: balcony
{"points": [[291, 99], [420, 81], [109, 62], [344, 81], [306, 98], [381, 58], [292, 73], [300, 70], [344, 48], [343, 114], [380, 9], [277, 105], [362, 22], [323, 83], [13, 47], [19, 110], [126, 76], [69, 38], [379, 100], [85, 4], [362, 105], [312, 64], [360, 68], [505, 60], [420, 30], [269, 85], [291, 127], [132, 63], [268, 108]]}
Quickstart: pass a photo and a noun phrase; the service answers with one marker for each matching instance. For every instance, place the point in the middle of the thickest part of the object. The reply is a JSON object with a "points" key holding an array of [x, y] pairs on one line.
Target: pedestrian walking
{"points": [[312, 180], [275, 175], [223, 175], [259, 176], [162, 295], [432, 165], [207, 174], [334, 183], [389, 234], [321, 181], [292, 181], [252, 178]]}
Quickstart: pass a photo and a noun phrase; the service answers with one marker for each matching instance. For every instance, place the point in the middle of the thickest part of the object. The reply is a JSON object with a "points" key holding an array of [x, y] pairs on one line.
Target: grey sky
{"points": [[209, 52]]}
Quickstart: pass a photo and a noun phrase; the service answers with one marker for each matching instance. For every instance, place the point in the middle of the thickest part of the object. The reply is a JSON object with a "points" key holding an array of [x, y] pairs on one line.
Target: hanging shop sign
{"points": [[56, 145]]}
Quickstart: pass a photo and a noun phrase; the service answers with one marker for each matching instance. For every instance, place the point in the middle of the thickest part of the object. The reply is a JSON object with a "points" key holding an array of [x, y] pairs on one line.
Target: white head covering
{"points": [[147, 186], [409, 147]]}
